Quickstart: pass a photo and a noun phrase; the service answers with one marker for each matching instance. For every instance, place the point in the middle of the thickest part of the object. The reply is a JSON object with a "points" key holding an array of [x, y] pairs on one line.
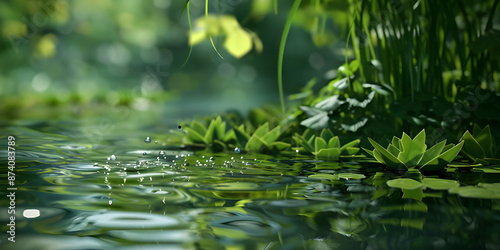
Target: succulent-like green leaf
{"points": [[443, 159], [349, 151], [472, 147], [396, 142], [241, 136], [393, 150], [279, 146], [326, 134], [272, 135], [329, 153], [383, 156], [484, 138], [319, 143], [370, 152], [262, 130], [303, 142], [254, 143], [334, 142], [194, 136], [413, 150], [432, 153], [198, 127]]}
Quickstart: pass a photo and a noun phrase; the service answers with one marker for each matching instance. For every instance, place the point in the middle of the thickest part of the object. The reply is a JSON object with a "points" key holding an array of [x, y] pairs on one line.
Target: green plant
{"points": [[215, 136], [478, 146], [262, 139], [411, 153], [324, 146]]}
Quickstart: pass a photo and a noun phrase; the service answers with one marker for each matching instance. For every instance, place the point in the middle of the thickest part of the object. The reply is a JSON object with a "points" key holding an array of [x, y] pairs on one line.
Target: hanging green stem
{"points": [[191, 46], [211, 40], [288, 24]]}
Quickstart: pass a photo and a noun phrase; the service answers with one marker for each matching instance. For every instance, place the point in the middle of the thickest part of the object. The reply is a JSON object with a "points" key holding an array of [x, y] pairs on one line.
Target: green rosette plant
{"points": [[478, 146], [325, 146], [214, 136], [411, 153], [262, 139]]}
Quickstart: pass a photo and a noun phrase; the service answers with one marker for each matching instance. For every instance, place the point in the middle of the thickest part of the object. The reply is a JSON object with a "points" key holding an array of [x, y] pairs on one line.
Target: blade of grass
{"points": [[284, 36], [189, 23]]}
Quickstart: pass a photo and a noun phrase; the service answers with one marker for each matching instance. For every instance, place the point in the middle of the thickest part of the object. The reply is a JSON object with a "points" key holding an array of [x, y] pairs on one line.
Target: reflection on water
{"points": [[155, 196]]}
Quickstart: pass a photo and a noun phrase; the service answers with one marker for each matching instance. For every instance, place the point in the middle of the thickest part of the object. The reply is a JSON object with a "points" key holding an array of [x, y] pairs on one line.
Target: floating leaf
{"points": [[439, 184], [351, 176], [404, 183]]}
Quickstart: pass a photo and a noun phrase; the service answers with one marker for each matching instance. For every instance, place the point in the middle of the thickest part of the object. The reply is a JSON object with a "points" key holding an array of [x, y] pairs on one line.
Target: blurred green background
{"points": [[56, 52]]}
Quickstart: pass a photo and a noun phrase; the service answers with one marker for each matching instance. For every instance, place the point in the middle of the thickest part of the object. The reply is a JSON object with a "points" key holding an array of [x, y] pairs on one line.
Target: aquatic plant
{"points": [[478, 146], [214, 136], [325, 146], [262, 139], [408, 153]]}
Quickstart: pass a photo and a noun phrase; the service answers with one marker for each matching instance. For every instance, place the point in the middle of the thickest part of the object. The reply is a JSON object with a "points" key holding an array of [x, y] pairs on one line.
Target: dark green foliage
{"points": [[479, 146]]}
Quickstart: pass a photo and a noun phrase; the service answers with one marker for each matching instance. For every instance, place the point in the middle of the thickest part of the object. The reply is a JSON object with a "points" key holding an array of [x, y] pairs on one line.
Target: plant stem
{"points": [[288, 24]]}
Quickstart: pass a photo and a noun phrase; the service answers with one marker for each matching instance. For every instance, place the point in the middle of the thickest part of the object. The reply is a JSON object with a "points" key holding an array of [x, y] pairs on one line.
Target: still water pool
{"points": [[164, 196]]}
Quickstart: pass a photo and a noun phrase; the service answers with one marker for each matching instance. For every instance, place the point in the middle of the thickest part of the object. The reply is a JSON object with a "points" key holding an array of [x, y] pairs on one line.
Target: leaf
{"points": [[472, 147], [262, 130], [351, 176], [238, 43], [393, 150], [370, 152], [311, 111], [254, 143], [475, 192], [384, 156], [198, 127], [329, 153], [439, 184], [484, 139], [413, 150], [352, 143], [396, 142], [354, 127], [272, 135], [316, 122], [279, 146], [195, 136], [241, 136], [330, 103], [404, 183], [432, 153], [334, 142], [331, 177], [319, 143], [349, 151], [303, 142], [326, 134], [442, 160], [362, 104]]}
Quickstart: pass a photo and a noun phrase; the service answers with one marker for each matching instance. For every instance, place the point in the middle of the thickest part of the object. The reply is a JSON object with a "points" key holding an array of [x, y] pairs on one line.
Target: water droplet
{"points": [[156, 142], [95, 164], [237, 150], [110, 202], [147, 140], [113, 158], [179, 127], [144, 153]]}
